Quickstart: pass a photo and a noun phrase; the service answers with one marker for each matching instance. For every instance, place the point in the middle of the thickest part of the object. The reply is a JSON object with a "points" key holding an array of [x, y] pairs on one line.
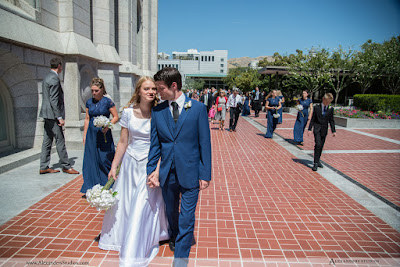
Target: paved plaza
{"points": [[265, 206]]}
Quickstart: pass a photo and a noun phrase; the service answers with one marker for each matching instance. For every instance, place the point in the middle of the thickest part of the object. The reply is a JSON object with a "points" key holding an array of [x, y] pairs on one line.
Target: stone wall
{"points": [[63, 29]]}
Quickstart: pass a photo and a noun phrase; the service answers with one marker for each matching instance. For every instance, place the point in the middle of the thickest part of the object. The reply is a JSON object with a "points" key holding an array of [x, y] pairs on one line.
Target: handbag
{"points": [[219, 109]]}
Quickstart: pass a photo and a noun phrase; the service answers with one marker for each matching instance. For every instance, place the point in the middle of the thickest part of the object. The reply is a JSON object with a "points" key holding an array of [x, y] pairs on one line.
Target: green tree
{"points": [[342, 70], [366, 63], [389, 56], [310, 71], [191, 83], [245, 78]]}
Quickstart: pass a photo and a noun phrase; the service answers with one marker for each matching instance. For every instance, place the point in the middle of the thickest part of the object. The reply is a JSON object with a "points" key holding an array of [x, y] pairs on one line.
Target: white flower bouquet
{"points": [[300, 108], [102, 122], [101, 197], [276, 114]]}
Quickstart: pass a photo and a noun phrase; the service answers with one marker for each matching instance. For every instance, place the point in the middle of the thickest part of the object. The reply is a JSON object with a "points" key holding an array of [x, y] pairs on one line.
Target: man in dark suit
{"points": [[256, 103], [322, 115], [207, 99], [53, 113]]}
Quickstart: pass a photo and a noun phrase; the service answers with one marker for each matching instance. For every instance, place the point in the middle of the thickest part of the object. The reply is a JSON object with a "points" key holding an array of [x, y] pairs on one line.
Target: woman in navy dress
{"points": [[272, 104], [302, 117], [246, 108], [282, 99], [99, 144]]}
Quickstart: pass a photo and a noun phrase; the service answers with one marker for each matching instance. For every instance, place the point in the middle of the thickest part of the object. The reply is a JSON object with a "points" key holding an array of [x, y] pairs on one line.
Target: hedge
{"points": [[377, 103]]}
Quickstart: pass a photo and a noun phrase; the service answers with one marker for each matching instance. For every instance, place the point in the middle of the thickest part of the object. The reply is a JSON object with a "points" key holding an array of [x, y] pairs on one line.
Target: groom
{"points": [[180, 136]]}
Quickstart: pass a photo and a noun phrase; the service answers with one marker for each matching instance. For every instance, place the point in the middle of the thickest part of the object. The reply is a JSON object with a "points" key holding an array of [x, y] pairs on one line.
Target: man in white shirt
{"points": [[234, 105]]}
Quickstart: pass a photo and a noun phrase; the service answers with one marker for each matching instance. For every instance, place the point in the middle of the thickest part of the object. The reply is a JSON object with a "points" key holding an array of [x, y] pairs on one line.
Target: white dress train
{"points": [[137, 222]]}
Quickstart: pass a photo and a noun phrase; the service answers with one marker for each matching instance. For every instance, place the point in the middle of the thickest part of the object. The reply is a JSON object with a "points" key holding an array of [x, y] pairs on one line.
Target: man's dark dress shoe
{"points": [[320, 165], [315, 167], [70, 171], [172, 245], [48, 170], [97, 238]]}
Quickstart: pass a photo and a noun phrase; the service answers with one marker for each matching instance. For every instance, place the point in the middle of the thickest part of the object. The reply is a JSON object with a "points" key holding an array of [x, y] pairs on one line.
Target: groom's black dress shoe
{"points": [[315, 167], [320, 165], [172, 245]]}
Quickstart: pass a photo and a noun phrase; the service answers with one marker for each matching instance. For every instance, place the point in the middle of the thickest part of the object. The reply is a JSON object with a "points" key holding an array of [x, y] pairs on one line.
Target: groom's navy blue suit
{"points": [[185, 151]]}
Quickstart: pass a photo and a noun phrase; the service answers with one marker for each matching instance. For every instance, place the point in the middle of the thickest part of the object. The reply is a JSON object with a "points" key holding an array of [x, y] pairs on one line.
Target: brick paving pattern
{"points": [[262, 206], [388, 133]]}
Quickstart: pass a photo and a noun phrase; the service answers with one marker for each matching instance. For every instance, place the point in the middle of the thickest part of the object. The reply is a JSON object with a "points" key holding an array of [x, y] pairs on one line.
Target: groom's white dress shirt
{"points": [[180, 101]]}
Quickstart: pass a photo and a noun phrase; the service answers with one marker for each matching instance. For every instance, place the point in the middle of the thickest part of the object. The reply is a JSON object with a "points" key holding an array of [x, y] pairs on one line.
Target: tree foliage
{"points": [[390, 64], [194, 84], [244, 78]]}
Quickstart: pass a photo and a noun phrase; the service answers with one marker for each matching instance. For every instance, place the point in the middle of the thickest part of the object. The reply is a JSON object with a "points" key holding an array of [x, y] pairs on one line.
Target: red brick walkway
{"points": [[262, 206]]}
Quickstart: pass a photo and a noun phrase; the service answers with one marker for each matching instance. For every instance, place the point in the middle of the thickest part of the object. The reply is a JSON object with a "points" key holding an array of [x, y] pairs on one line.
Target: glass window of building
{"points": [[222, 60], [222, 65], [213, 58], [222, 71]]}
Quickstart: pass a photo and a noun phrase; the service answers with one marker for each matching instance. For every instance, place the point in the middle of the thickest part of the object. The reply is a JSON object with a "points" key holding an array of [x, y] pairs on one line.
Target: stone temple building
{"points": [[112, 39]]}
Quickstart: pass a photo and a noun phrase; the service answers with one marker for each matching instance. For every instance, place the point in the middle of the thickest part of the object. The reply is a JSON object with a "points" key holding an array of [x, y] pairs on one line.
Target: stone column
{"points": [[73, 135], [153, 36]]}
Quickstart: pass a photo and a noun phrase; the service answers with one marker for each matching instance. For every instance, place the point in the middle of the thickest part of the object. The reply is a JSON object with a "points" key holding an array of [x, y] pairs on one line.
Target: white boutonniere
{"points": [[187, 105]]}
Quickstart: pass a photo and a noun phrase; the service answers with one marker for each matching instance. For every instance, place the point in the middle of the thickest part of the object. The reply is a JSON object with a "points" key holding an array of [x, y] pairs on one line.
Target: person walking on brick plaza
{"points": [[221, 104], [180, 138], [234, 106], [246, 101], [272, 104], [303, 116], [99, 144], [53, 113], [280, 111], [321, 116], [136, 224], [207, 99], [256, 102]]}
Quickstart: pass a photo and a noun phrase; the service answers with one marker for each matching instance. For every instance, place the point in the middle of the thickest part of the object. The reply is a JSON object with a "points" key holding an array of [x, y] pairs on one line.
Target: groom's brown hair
{"points": [[169, 75]]}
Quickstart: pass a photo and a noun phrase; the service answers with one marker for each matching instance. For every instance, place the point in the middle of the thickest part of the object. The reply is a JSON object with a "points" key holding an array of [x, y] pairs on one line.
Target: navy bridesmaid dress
{"points": [[280, 111], [246, 108], [301, 120], [98, 154], [272, 122]]}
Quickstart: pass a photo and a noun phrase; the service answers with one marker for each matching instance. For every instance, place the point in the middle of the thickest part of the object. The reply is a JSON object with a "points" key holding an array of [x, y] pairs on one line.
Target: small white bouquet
{"points": [[101, 197], [276, 114], [300, 108], [102, 122]]}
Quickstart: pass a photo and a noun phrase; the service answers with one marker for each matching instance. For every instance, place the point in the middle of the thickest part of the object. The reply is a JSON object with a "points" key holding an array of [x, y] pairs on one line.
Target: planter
{"points": [[366, 123]]}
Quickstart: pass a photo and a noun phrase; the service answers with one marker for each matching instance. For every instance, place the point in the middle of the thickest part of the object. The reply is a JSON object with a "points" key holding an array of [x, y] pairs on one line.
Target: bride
{"points": [[137, 222]]}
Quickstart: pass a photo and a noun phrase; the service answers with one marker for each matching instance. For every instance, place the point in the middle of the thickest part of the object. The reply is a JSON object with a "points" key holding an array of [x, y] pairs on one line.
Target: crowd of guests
{"points": [[139, 217]]}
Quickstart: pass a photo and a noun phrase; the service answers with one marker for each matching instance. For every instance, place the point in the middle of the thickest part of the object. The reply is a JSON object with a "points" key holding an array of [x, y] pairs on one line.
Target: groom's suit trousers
{"points": [[185, 220]]}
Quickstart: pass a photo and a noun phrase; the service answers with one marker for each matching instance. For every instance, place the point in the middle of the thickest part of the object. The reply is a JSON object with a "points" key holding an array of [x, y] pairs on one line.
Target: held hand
{"points": [[153, 180], [105, 130], [334, 134], [61, 122], [308, 133], [203, 184], [84, 140], [113, 174]]}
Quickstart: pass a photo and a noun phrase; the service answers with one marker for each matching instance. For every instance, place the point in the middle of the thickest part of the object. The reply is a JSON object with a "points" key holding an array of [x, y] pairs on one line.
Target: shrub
{"points": [[375, 103]]}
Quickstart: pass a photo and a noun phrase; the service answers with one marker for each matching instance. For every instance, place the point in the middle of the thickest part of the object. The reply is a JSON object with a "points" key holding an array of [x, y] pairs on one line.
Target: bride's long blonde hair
{"points": [[135, 99]]}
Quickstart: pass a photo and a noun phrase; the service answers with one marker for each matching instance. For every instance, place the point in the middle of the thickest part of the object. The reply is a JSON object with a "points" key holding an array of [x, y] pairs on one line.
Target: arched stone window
{"points": [[7, 133]]}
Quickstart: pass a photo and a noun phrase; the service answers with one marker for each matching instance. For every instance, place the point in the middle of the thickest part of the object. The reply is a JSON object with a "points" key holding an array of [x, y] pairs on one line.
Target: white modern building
{"points": [[211, 66], [112, 39]]}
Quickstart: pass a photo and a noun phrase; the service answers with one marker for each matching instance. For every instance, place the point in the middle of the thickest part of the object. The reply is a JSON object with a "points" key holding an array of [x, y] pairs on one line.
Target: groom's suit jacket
{"points": [[53, 98], [320, 122], [185, 144]]}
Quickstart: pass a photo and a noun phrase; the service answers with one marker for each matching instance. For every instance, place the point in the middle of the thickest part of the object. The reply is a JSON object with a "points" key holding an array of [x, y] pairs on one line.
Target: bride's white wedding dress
{"points": [[137, 222]]}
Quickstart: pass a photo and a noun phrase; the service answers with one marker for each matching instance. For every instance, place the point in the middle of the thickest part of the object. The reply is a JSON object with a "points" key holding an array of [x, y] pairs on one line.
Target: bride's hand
{"points": [[153, 180], [113, 174]]}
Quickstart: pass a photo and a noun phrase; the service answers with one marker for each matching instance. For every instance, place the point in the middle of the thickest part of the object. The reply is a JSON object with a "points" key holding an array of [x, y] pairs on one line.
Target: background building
{"points": [[111, 39], [210, 66]]}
